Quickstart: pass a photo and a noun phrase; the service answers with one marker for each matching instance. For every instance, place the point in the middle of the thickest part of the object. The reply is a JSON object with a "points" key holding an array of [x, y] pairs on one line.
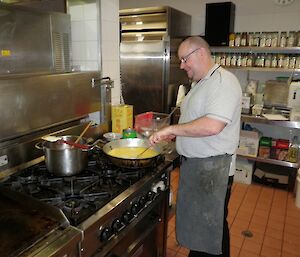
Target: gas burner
{"points": [[109, 173], [72, 206]]}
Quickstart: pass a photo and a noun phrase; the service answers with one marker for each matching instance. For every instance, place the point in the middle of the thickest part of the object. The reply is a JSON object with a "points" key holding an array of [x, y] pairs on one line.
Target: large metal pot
{"points": [[63, 159], [134, 162]]}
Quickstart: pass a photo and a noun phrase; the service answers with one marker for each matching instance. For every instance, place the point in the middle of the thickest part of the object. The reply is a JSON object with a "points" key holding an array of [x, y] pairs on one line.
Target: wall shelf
{"points": [[271, 161], [254, 49]]}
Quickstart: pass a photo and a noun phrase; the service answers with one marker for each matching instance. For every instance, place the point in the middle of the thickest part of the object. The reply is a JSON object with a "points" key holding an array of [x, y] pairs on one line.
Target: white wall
{"points": [[251, 15], [95, 40]]}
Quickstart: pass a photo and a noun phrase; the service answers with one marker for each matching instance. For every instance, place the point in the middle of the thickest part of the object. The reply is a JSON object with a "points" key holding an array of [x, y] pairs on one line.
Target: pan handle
{"points": [[39, 145]]}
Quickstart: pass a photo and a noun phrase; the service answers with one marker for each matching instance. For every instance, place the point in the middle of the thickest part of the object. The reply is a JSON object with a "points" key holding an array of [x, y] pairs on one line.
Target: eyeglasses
{"points": [[185, 58]]}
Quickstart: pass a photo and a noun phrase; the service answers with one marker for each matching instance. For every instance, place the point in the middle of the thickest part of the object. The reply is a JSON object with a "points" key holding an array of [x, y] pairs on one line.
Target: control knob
{"points": [[143, 201], [150, 195], [106, 233], [159, 186], [127, 217], [135, 208], [116, 225]]}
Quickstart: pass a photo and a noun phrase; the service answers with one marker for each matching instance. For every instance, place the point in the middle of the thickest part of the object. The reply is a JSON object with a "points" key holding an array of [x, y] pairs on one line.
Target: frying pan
{"points": [[132, 163]]}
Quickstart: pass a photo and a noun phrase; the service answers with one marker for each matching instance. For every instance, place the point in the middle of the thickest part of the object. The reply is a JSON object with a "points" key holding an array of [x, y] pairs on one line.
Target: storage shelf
{"points": [[254, 49], [263, 120], [271, 161], [262, 69]]}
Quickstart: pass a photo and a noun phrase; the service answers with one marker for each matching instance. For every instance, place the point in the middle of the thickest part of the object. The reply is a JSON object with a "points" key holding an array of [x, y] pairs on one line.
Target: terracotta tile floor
{"points": [[269, 216]]}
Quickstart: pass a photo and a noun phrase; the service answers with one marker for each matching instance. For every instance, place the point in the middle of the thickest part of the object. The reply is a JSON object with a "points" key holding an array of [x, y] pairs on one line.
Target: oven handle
{"points": [[134, 246]]}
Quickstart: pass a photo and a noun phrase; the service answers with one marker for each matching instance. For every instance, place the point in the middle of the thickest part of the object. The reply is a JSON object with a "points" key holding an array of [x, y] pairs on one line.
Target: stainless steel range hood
{"points": [[33, 41]]}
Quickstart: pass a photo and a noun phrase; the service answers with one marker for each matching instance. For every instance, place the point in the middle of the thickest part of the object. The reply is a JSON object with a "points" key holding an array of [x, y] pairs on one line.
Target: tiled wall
{"points": [[95, 39]]}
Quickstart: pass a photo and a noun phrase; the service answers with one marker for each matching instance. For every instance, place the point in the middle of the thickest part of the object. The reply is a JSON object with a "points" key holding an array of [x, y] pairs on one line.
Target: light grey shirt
{"points": [[217, 96]]}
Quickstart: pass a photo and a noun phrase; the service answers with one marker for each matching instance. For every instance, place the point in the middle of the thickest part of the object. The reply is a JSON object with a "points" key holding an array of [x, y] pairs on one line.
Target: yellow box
{"points": [[122, 117]]}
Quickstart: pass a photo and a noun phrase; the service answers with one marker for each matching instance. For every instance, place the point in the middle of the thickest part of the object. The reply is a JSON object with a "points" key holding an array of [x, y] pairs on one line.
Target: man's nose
{"points": [[182, 64]]}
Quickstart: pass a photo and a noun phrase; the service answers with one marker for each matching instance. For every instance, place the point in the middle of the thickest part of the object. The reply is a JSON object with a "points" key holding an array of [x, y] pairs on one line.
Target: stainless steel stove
{"points": [[116, 210]]}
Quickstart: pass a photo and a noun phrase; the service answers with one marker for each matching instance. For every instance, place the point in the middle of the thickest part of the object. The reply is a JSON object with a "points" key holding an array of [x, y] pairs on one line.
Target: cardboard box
{"points": [[265, 177], [243, 171], [248, 145], [122, 117]]}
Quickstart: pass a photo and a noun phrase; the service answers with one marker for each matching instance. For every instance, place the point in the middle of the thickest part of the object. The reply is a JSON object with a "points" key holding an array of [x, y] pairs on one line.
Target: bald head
{"points": [[196, 42], [195, 57]]}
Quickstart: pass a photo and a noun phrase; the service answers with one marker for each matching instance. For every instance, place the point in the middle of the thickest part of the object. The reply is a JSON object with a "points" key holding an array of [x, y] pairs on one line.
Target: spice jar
{"points": [[218, 59], [231, 39], [250, 60], [233, 60], [291, 39], [274, 61], [223, 59], [268, 39], [286, 62], [228, 60], [292, 62], [244, 60], [239, 60], [274, 42], [280, 61], [297, 65], [256, 39], [263, 38], [250, 39], [244, 39], [268, 61], [283, 37], [237, 40]]}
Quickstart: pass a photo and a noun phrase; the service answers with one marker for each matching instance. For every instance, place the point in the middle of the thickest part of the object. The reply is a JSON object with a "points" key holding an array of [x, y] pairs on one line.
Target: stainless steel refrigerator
{"points": [[150, 73]]}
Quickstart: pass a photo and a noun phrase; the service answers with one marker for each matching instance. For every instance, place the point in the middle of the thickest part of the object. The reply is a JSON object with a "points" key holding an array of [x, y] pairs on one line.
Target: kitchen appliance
{"points": [[276, 93], [116, 210], [150, 71]]}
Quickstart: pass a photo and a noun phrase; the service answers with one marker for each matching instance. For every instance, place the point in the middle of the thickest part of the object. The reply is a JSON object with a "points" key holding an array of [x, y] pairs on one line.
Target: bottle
{"points": [[293, 150], [244, 39], [291, 39], [231, 39], [283, 37], [237, 40]]}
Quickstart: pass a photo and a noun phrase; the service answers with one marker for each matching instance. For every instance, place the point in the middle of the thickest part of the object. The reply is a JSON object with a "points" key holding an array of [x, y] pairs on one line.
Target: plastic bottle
{"points": [[293, 150]]}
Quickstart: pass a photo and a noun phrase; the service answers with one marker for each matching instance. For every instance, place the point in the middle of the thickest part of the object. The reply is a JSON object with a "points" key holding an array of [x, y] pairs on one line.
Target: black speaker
{"points": [[219, 23]]}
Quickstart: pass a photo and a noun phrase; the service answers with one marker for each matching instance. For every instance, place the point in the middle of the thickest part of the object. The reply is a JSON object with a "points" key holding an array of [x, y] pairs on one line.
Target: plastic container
{"points": [[149, 122]]}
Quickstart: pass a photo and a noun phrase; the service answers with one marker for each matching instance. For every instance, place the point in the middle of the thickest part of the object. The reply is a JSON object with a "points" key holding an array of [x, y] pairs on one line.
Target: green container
{"points": [[129, 133], [265, 141]]}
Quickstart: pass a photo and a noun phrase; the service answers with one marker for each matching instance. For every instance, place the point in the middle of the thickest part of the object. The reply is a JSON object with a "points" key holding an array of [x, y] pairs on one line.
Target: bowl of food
{"points": [[110, 136]]}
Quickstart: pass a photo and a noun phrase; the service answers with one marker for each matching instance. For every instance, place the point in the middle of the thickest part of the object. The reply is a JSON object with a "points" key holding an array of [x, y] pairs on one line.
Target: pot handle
{"points": [[94, 145], [39, 145]]}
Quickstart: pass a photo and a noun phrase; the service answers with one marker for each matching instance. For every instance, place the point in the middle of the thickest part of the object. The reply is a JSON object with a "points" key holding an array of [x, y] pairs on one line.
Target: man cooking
{"points": [[206, 138]]}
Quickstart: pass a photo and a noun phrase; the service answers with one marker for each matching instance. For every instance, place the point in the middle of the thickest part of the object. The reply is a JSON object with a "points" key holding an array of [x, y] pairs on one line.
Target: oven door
{"points": [[148, 237]]}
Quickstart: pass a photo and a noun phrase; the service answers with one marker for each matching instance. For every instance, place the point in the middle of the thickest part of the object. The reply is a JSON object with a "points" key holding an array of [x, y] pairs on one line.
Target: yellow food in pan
{"points": [[132, 152]]}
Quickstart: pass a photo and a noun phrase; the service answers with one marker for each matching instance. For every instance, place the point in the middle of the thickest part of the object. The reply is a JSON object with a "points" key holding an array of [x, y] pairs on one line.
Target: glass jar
{"points": [[291, 39], [250, 60], [250, 39], [223, 59], [274, 42], [268, 60], [237, 40], [297, 65], [228, 60], [233, 60], [292, 62], [283, 38], [274, 61], [244, 39], [268, 39], [280, 61], [244, 60], [239, 60], [263, 37], [286, 62], [218, 59], [256, 39], [231, 39]]}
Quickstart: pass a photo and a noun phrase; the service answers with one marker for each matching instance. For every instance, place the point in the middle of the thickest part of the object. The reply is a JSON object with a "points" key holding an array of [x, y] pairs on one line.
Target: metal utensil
{"points": [[140, 154]]}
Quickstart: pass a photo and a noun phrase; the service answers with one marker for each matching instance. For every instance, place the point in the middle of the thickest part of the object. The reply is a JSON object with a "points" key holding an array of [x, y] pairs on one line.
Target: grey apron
{"points": [[200, 203]]}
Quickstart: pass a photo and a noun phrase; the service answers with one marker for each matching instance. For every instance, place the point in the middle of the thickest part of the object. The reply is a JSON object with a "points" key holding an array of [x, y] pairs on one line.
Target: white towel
{"points": [[180, 95]]}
